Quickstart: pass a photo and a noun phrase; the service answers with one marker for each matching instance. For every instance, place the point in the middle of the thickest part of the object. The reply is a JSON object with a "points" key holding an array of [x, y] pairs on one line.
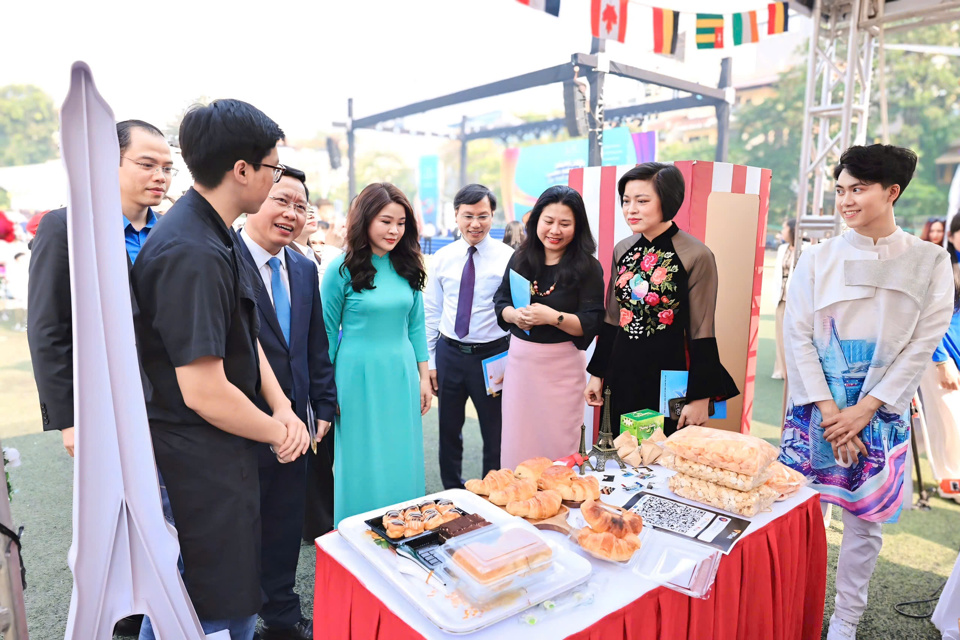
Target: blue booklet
{"points": [[673, 384], [519, 291]]}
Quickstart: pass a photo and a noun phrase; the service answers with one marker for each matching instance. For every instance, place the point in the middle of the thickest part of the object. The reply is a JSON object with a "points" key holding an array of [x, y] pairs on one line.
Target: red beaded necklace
{"points": [[535, 291]]}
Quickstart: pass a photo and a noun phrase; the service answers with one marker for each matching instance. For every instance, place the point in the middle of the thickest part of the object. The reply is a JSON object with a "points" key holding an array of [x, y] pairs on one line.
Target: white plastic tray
{"points": [[443, 606]]}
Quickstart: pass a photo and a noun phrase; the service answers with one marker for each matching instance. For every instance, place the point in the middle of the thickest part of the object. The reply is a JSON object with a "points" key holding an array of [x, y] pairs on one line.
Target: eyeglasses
{"points": [[277, 170], [481, 218], [153, 167], [287, 205]]}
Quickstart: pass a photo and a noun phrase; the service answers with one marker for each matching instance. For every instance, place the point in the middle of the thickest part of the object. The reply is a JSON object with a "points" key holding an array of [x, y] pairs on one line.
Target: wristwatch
{"points": [[559, 319]]}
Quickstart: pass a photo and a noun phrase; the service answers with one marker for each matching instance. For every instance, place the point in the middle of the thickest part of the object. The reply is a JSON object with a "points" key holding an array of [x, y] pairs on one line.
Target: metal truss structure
{"points": [[582, 70], [846, 35]]}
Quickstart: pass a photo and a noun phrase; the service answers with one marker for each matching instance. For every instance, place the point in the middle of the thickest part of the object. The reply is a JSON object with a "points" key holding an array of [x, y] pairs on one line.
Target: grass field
{"points": [[917, 556]]}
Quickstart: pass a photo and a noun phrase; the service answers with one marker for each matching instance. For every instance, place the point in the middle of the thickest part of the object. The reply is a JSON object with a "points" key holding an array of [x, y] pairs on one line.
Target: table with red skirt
{"points": [[771, 586]]}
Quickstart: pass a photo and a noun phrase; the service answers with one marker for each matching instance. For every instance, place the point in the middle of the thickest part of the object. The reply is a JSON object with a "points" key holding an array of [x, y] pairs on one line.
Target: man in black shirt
{"points": [[203, 366]]}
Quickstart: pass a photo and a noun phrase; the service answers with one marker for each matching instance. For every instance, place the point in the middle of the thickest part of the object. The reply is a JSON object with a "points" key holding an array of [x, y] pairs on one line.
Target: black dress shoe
{"points": [[303, 630], [129, 626]]}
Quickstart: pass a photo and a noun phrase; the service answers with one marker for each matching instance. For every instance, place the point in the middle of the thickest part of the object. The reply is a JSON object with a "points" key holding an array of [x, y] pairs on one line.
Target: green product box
{"points": [[641, 423]]}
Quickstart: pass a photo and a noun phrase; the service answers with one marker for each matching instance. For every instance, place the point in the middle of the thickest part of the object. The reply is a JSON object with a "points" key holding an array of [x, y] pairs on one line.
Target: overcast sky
{"points": [[299, 60]]}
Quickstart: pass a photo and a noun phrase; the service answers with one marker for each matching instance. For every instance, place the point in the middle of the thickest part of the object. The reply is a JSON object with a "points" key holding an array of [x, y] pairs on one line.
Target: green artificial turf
{"points": [[918, 553]]}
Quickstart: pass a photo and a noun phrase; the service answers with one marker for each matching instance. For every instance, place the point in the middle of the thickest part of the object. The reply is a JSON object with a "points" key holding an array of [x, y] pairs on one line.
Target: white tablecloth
{"points": [[614, 587]]}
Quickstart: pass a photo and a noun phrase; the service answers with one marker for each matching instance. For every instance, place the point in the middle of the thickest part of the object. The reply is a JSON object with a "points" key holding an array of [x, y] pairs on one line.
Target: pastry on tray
{"points": [[444, 505], [555, 476], [532, 468], [395, 528], [606, 546], [543, 505], [460, 525], [519, 490], [579, 489], [604, 520], [414, 525], [495, 479]]}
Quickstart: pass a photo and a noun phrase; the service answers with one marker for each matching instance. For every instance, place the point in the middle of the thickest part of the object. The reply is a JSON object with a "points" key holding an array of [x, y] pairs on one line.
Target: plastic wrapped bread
{"points": [[735, 452], [745, 503], [724, 478], [784, 480]]}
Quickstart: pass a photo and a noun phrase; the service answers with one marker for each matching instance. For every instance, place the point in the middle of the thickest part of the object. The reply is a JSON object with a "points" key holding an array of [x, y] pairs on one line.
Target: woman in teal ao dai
{"points": [[373, 293]]}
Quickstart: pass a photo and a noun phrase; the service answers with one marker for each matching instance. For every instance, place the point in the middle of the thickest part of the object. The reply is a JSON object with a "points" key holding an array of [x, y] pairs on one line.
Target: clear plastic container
{"points": [[735, 452], [497, 559], [677, 564], [745, 503], [723, 477]]}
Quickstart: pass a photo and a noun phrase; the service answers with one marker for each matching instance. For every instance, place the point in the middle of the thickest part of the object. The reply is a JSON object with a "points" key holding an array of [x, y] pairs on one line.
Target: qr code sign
{"points": [[672, 516]]}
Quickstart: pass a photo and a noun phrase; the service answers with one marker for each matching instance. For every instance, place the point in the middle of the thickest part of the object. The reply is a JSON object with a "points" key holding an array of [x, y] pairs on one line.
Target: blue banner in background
{"points": [[428, 190]]}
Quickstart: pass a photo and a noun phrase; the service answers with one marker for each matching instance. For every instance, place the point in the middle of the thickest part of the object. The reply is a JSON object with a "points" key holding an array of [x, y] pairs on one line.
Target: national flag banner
{"points": [[665, 24], [550, 6], [608, 19], [778, 17], [745, 28], [709, 31]]}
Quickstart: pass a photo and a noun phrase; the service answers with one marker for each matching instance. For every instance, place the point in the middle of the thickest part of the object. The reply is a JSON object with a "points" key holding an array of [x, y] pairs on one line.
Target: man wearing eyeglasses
{"points": [[294, 340], [146, 169], [462, 330], [203, 367]]}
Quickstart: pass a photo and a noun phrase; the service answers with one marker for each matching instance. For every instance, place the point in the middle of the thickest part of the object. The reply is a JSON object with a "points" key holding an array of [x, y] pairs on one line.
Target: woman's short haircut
{"points": [[667, 182], [883, 163], [214, 137]]}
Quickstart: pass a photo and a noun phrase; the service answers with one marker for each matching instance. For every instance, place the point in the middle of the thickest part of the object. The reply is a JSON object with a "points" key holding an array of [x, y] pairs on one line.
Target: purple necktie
{"points": [[465, 305]]}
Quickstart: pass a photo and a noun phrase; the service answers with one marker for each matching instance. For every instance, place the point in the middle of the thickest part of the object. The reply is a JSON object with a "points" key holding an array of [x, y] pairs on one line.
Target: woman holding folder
{"points": [[553, 306]]}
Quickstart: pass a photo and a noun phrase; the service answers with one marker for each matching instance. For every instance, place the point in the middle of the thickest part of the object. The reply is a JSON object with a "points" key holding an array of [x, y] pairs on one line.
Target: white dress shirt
{"points": [[261, 256], [442, 293]]}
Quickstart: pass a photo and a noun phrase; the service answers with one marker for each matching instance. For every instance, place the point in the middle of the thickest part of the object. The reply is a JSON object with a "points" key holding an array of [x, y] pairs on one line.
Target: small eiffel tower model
{"points": [[583, 450], [604, 449]]}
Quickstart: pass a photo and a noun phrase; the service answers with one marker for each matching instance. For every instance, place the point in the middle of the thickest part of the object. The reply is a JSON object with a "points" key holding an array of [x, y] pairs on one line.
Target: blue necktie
{"points": [[281, 301]]}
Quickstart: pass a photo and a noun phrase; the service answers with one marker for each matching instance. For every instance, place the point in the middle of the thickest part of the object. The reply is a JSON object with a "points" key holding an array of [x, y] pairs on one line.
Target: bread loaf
{"points": [[545, 504], [521, 489], [603, 520], [532, 468]]}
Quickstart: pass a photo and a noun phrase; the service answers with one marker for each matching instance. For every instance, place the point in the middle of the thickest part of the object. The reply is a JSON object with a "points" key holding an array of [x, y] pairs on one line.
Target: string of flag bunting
{"points": [[608, 21]]}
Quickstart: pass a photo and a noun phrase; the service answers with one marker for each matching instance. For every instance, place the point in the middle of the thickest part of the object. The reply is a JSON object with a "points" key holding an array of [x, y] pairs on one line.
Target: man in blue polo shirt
{"points": [[146, 169]]}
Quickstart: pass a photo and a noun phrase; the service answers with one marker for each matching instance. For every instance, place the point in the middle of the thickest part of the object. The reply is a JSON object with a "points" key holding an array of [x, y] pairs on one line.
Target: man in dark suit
{"points": [[294, 341], [146, 169]]}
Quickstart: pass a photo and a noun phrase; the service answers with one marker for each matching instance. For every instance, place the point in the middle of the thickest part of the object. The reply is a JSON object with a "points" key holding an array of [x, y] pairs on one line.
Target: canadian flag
{"points": [[608, 19]]}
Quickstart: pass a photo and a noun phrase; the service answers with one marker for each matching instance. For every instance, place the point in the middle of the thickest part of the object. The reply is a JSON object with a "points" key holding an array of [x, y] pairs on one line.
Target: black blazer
{"points": [[303, 367], [50, 320]]}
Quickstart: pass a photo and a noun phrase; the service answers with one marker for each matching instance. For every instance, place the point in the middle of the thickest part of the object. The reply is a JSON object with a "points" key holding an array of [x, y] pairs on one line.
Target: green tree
{"points": [[380, 166], [28, 125], [923, 93]]}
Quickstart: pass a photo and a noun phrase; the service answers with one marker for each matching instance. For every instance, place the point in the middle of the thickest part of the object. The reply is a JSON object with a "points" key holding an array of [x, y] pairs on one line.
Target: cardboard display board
{"points": [[725, 206]]}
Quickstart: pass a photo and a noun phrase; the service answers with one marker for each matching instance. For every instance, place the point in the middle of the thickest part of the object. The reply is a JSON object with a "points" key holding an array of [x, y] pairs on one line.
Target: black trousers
{"points": [[318, 518], [460, 376], [282, 495]]}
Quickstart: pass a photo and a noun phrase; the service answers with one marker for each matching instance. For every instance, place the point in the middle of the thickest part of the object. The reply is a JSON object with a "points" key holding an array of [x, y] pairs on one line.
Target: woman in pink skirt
{"points": [[546, 368]]}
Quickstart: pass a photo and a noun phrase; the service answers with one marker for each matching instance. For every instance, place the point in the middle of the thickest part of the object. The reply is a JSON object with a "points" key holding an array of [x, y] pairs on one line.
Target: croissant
{"points": [[495, 479], [603, 520], [608, 546], [532, 468], [520, 490], [580, 489], [544, 504], [395, 528], [554, 476]]}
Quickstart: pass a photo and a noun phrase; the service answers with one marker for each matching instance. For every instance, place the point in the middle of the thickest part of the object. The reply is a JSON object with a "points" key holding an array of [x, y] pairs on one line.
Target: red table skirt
{"points": [[771, 587]]}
